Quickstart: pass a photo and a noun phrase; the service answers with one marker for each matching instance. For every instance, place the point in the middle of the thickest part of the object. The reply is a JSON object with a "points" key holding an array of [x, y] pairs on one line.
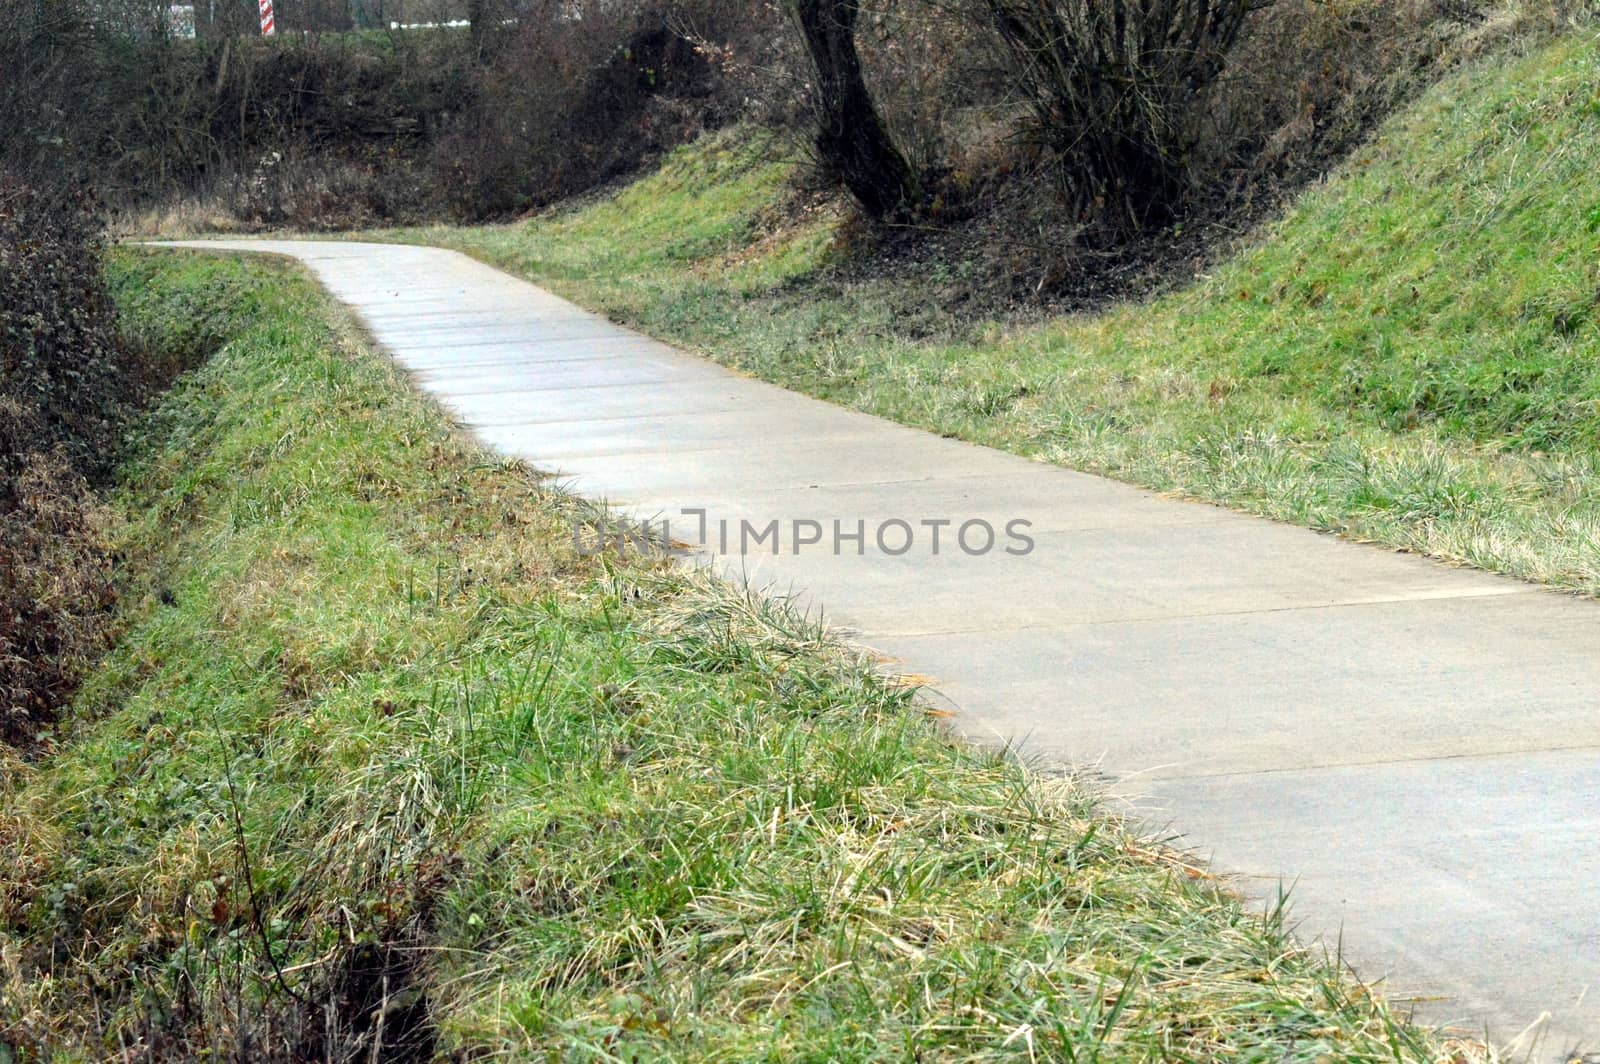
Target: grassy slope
{"points": [[370, 708], [1411, 356]]}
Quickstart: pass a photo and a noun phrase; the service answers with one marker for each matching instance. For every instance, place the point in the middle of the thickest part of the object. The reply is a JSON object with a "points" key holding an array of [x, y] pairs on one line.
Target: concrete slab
{"points": [[420, 357], [555, 441], [1527, 914], [445, 334], [586, 404], [1066, 500], [640, 369], [982, 576], [1278, 690], [685, 472], [1415, 748]]}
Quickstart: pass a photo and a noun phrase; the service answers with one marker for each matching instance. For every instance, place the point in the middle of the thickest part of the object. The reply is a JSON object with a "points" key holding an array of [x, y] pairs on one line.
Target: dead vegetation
{"points": [[57, 378], [69, 378], [56, 584], [341, 130]]}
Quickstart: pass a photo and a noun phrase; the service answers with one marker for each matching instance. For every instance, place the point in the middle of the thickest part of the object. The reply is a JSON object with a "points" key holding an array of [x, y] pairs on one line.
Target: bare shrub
{"points": [[1117, 89], [204, 116], [47, 55], [577, 94], [763, 73], [937, 75], [542, 99]]}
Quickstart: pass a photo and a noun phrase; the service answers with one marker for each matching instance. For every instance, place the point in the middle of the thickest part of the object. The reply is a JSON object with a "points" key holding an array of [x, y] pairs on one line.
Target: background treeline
{"points": [[1096, 121], [337, 129]]}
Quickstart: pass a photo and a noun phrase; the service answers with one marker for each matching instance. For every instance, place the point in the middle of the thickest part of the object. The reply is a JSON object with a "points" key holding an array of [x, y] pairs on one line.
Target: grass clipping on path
{"points": [[381, 769], [1411, 356]]}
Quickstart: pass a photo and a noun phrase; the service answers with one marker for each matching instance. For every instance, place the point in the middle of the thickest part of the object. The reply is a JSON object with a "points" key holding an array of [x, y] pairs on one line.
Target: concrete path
{"points": [[1415, 749]]}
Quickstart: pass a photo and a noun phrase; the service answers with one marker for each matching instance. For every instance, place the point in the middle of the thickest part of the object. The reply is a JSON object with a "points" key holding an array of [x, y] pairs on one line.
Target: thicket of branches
{"points": [[1117, 90], [570, 95], [1130, 112], [330, 130]]}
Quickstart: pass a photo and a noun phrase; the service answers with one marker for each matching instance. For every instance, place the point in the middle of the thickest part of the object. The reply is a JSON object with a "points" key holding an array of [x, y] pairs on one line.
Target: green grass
{"points": [[375, 742], [1411, 356]]}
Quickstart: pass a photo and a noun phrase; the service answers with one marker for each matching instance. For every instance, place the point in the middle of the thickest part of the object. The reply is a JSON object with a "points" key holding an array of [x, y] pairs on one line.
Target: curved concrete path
{"points": [[1414, 748]]}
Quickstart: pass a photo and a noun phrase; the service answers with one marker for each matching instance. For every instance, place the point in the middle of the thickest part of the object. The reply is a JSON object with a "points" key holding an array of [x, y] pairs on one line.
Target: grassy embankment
{"points": [[380, 758], [1411, 356]]}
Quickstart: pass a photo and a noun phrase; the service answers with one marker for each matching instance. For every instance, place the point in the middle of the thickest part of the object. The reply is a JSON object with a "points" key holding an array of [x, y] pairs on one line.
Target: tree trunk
{"points": [[480, 13], [851, 137]]}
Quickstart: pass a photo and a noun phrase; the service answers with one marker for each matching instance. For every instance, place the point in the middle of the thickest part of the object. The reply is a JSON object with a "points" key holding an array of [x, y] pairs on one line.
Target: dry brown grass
{"points": [[55, 588]]}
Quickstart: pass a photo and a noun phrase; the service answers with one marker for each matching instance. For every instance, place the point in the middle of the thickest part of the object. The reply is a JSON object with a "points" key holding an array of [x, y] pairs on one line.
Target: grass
{"points": [[1411, 356], [380, 768]]}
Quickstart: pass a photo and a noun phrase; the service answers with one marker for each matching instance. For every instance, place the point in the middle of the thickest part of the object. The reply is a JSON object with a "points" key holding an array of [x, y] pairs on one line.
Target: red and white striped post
{"points": [[268, 27]]}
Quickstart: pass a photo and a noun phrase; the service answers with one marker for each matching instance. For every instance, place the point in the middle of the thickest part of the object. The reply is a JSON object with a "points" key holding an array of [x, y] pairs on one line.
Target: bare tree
{"points": [[488, 19], [851, 137]]}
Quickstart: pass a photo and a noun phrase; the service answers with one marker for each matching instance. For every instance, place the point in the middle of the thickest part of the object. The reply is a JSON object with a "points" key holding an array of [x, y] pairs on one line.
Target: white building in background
{"points": [[142, 19]]}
